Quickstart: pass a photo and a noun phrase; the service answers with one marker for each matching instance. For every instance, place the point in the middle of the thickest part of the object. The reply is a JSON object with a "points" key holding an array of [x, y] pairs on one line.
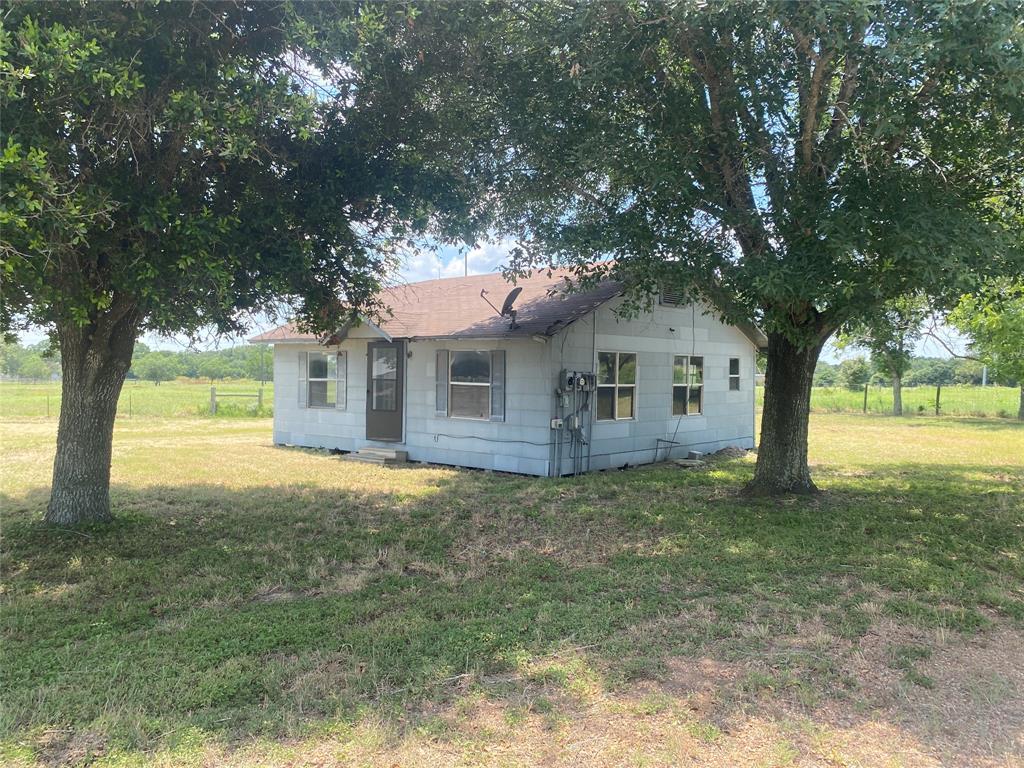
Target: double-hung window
{"points": [[616, 385], [687, 385], [325, 380], [471, 384], [734, 374]]}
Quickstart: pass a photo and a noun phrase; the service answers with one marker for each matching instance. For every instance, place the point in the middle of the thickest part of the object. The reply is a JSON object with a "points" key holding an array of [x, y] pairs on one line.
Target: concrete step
{"points": [[378, 456], [365, 459], [387, 453]]}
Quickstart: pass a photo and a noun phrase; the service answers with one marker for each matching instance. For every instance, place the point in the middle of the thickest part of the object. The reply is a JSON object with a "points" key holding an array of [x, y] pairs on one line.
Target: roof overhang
{"points": [[335, 338]]}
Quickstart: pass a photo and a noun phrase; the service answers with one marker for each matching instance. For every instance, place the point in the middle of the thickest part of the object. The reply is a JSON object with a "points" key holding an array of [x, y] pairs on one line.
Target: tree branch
{"points": [[811, 106], [932, 334], [738, 187], [841, 108]]}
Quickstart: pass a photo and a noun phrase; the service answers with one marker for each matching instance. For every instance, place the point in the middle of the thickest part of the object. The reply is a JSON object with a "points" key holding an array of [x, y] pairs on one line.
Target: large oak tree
{"points": [[794, 164], [170, 167]]}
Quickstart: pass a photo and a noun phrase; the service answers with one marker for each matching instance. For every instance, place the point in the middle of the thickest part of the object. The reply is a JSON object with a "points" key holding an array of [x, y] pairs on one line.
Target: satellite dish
{"points": [[506, 308]]}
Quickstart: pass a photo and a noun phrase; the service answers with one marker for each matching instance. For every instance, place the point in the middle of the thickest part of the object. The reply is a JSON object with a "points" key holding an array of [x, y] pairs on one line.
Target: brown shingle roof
{"points": [[453, 308]]}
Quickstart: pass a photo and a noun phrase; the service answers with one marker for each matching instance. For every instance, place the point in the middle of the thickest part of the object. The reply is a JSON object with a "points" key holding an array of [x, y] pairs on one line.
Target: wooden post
{"points": [[213, 401], [259, 398], [938, 396], [865, 397]]}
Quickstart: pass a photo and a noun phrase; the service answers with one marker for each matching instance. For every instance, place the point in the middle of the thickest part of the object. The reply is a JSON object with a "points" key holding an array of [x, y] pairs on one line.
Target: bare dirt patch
{"points": [[702, 711]]}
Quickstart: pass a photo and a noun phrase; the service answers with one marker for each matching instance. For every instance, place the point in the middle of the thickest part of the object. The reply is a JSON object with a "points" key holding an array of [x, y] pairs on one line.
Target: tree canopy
{"points": [[889, 334], [175, 166], [993, 318], [796, 164], [182, 164]]}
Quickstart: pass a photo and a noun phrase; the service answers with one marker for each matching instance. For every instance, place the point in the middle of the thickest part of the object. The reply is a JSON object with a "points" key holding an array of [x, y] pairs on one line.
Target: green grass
{"points": [[169, 399], [261, 596], [1001, 402]]}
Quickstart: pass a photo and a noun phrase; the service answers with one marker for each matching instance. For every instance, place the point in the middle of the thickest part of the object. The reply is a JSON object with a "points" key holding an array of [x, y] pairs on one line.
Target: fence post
{"points": [[213, 401], [865, 397], [259, 398], [938, 395]]}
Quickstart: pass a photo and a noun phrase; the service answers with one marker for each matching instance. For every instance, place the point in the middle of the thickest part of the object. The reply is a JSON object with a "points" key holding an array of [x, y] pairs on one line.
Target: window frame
{"points": [[687, 386], [340, 380], [452, 353], [735, 377], [616, 386]]}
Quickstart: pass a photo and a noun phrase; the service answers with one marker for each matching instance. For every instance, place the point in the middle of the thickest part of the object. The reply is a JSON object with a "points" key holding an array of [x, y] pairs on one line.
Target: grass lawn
{"points": [[255, 605]]}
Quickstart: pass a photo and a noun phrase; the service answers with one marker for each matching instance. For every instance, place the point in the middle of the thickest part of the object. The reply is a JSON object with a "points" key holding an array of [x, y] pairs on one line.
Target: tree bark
{"points": [[94, 362], [897, 395], [782, 454]]}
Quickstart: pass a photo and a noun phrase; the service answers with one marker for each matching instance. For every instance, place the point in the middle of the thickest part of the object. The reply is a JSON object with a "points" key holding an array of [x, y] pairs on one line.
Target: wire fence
{"points": [[169, 399], [959, 401]]}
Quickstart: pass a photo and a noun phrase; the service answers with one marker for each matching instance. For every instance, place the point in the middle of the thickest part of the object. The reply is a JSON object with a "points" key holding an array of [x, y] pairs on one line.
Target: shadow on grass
{"points": [[261, 612]]}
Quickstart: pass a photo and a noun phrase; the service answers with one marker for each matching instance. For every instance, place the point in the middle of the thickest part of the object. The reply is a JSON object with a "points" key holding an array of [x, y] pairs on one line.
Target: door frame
{"points": [[398, 420]]}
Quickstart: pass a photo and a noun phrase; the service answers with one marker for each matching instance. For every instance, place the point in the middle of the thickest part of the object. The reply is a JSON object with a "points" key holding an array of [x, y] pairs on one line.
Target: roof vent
{"points": [[671, 297]]}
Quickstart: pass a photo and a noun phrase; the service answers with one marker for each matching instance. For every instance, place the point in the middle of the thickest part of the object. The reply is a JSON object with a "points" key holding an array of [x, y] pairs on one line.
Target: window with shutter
{"points": [[441, 383], [497, 385], [323, 380], [302, 379], [341, 401]]}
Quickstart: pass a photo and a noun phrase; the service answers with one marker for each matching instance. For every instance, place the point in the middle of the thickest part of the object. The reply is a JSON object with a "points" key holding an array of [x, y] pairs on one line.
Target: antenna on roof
{"points": [[506, 308]]}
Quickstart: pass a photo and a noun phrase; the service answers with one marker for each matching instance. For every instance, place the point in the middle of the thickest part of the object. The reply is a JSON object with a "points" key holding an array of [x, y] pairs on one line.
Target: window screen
{"points": [[616, 385]]}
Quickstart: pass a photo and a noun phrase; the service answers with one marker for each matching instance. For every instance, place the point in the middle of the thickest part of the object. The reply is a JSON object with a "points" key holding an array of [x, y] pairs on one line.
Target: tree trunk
{"points": [[782, 454], [94, 362], [897, 395]]}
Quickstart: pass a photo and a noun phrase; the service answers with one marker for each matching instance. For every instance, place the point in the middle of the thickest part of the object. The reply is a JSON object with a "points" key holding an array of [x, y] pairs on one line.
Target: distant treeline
{"points": [[924, 371], [40, 362]]}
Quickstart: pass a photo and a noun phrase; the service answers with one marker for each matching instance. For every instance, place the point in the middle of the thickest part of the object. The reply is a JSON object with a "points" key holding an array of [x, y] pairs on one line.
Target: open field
{"points": [[1000, 402], [192, 398], [142, 399], [256, 605]]}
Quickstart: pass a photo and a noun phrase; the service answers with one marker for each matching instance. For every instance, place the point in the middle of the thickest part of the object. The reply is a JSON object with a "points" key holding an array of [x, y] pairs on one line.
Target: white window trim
{"points": [[737, 375], [451, 361], [338, 357], [615, 387], [672, 400]]}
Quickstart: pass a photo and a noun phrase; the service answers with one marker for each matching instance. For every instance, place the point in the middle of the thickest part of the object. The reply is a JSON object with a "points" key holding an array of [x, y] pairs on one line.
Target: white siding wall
{"points": [[728, 416], [523, 442], [518, 444]]}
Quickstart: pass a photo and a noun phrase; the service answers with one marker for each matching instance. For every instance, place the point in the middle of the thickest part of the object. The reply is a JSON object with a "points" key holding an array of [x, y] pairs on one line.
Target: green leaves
{"points": [[795, 164], [175, 156], [993, 318]]}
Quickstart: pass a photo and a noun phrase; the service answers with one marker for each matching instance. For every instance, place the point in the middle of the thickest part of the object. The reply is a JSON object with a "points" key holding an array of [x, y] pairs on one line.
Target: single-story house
{"points": [[558, 384]]}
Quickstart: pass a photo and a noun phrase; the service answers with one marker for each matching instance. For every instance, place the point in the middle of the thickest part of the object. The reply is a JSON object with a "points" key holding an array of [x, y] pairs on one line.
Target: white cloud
{"points": [[453, 262]]}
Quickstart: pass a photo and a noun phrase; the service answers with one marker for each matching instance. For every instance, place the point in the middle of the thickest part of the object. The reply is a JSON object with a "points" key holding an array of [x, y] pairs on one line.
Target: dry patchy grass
{"points": [[264, 606]]}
